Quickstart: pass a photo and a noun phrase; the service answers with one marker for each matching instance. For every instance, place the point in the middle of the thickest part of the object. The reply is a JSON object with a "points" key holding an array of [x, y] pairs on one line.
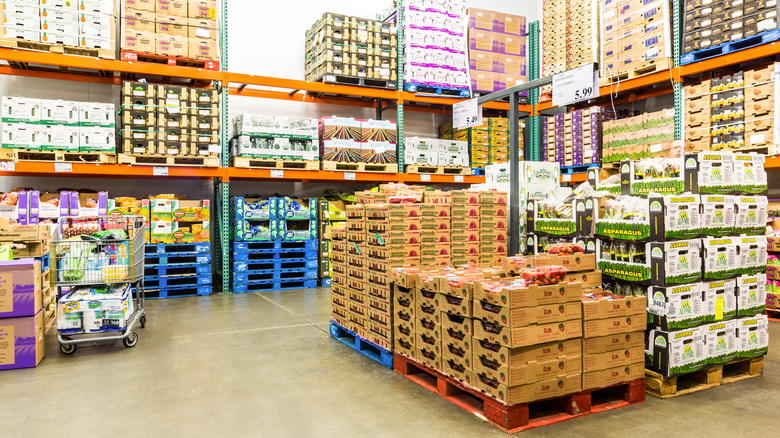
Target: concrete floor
{"points": [[264, 365]]}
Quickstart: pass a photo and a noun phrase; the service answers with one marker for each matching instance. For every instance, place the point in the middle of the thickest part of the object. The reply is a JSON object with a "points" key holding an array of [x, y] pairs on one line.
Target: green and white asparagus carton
{"points": [[718, 214], [716, 172], [720, 300], [720, 258], [752, 336], [676, 307], [751, 294], [750, 214], [675, 353], [749, 173], [721, 341]]}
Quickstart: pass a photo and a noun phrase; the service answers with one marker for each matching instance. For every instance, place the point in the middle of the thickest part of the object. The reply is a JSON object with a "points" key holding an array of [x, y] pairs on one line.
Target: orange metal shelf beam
{"points": [[38, 168], [574, 178], [772, 163], [364, 177]]}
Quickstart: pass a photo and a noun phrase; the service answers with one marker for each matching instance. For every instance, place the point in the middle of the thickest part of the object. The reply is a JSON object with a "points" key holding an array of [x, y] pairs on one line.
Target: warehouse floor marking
{"points": [[295, 314]]}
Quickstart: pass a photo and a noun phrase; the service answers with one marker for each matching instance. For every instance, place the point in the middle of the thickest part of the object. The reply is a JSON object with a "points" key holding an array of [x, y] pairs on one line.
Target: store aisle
{"points": [[263, 365]]}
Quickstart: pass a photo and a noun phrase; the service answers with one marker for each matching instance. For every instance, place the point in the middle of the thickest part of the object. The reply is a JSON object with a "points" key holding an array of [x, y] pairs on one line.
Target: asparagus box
{"points": [[545, 218], [721, 258], [751, 295], [750, 214], [675, 353], [656, 218], [751, 254], [749, 173], [718, 214], [721, 341], [670, 262], [752, 336], [675, 307]]}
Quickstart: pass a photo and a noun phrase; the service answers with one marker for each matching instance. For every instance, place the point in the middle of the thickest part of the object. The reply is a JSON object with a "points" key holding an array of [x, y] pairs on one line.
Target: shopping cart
{"points": [[96, 264]]}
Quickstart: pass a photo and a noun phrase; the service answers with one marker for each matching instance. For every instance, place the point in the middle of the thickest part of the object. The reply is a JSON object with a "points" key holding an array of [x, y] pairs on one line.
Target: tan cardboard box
{"points": [[572, 263], [425, 324], [612, 376], [530, 335], [171, 25], [623, 341], [530, 296], [202, 9], [529, 373], [425, 298], [466, 196], [171, 45], [451, 336], [613, 307], [453, 305], [428, 357], [514, 357], [404, 345], [457, 353], [172, 7], [544, 389], [138, 21], [139, 41], [588, 279], [613, 326], [464, 234], [455, 368], [202, 28], [200, 48], [612, 359], [524, 316], [140, 5]]}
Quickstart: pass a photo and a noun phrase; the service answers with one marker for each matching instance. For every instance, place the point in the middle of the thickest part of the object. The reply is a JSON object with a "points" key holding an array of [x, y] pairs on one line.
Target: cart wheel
{"points": [[131, 340], [143, 321], [68, 348]]}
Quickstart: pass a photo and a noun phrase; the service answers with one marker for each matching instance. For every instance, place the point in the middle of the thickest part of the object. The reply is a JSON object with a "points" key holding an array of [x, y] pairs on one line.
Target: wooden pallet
{"points": [[437, 170], [516, 418], [49, 316], [668, 387], [154, 58], [656, 66], [359, 167], [57, 48], [773, 315], [58, 156], [169, 160], [338, 79], [261, 163]]}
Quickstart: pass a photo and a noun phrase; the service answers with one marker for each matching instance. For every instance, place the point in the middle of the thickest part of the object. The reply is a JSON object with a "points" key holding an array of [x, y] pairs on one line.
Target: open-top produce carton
{"points": [[656, 218], [554, 218], [535, 244], [655, 175], [568, 255], [600, 180], [514, 293], [659, 263]]}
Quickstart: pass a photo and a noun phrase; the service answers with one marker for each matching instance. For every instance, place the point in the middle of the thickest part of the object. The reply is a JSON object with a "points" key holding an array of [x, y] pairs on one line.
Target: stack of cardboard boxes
{"points": [[732, 112], [575, 138], [435, 152], [57, 125], [643, 136], [89, 24], [634, 37], [494, 225], [275, 137], [465, 227], [569, 34], [339, 294], [356, 274], [169, 120], [179, 221], [176, 28], [489, 142], [497, 50], [708, 24], [351, 46]]}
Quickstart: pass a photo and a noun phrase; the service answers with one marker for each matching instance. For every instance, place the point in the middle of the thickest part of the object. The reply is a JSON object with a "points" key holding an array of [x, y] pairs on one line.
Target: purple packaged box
{"points": [[23, 204], [35, 207], [21, 342], [20, 288], [64, 204], [88, 204], [483, 40]]}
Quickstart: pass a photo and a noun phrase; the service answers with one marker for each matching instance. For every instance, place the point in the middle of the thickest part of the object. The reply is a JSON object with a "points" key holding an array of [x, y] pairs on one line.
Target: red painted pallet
{"points": [[516, 418], [206, 64], [773, 315]]}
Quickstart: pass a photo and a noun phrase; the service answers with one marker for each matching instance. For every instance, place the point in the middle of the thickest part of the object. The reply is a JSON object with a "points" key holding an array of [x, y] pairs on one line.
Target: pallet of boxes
{"points": [[169, 125], [274, 142], [172, 32], [357, 145], [27, 298], [83, 27]]}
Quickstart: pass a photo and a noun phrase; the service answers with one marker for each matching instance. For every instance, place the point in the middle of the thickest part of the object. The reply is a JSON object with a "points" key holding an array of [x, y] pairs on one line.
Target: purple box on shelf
{"points": [[511, 44], [23, 203], [35, 207], [483, 40], [20, 288], [22, 341]]}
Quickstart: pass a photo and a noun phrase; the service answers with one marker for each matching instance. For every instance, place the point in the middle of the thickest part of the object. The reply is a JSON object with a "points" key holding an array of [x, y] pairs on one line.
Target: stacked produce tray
{"points": [[177, 270]]}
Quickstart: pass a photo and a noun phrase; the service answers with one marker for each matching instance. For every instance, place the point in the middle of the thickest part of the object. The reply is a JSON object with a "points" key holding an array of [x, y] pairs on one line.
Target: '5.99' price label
{"points": [[575, 85]]}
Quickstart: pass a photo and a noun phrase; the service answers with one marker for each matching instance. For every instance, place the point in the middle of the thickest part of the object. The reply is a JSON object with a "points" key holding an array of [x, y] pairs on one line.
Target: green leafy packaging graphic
{"points": [[675, 353], [750, 214], [752, 336], [721, 341], [751, 294], [720, 300], [675, 307]]}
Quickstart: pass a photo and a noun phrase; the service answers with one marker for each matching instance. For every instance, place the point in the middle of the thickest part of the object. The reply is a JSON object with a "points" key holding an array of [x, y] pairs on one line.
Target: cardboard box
{"points": [[613, 307], [202, 28], [514, 357], [107, 7], [172, 46], [613, 326], [721, 341], [176, 8], [530, 335], [140, 5], [675, 353], [23, 233], [171, 25], [524, 316], [545, 389], [20, 288], [200, 48], [21, 342], [202, 9], [139, 41], [752, 336], [528, 373], [612, 376], [533, 295], [612, 359]]}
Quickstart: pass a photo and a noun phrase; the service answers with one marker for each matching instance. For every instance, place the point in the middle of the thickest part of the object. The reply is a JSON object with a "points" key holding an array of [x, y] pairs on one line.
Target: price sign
{"points": [[425, 177], [575, 85], [458, 178], [7, 166], [63, 167], [565, 178], [349, 176], [467, 114], [277, 173], [160, 171]]}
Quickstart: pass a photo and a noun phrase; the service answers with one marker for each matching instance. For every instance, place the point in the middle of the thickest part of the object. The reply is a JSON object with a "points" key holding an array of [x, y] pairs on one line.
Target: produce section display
{"points": [[497, 50], [575, 138], [644, 136]]}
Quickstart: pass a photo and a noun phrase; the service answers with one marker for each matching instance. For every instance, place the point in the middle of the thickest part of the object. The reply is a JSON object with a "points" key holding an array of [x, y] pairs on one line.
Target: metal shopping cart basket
{"points": [[96, 264]]}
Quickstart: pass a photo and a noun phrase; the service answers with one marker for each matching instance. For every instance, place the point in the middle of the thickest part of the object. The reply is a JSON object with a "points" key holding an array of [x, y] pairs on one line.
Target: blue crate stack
{"points": [[177, 270], [274, 244]]}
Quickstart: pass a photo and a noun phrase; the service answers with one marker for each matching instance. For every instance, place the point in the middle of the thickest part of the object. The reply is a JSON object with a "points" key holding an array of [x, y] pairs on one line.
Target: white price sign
{"points": [[63, 167], [425, 177], [160, 171], [277, 173], [466, 114], [575, 85], [349, 176], [458, 178], [7, 166]]}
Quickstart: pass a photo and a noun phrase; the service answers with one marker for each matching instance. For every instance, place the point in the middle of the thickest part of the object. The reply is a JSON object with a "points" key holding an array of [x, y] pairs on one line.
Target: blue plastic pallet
{"points": [[296, 264], [730, 47], [275, 246], [176, 260], [443, 91], [362, 346], [567, 170], [272, 285], [176, 271], [178, 248], [478, 171], [177, 292], [252, 277], [325, 282], [168, 282], [45, 262], [245, 256]]}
